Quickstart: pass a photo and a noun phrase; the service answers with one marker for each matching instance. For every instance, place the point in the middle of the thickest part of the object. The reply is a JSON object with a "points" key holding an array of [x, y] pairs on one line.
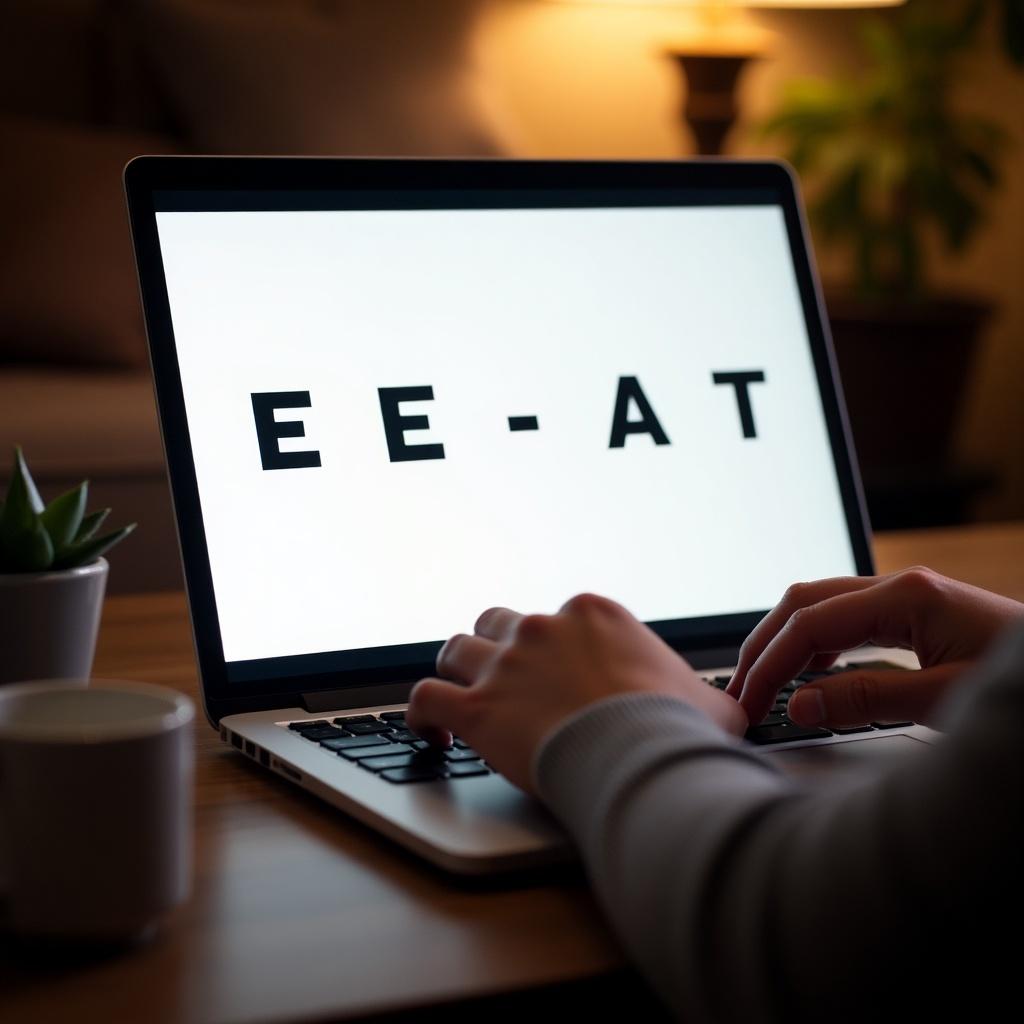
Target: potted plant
{"points": [[52, 579], [891, 161]]}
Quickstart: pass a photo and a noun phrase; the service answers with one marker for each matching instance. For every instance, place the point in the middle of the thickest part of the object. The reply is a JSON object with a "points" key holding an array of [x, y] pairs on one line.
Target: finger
{"points": [[436, 710], [799, 595], [879, 614], [497, 624], [463, 657], [588, 603], [857, 698], [822, 662]]}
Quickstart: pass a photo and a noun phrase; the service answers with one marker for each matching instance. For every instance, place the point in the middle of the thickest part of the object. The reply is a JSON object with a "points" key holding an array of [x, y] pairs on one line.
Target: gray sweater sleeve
{"points": [[744, 897]]}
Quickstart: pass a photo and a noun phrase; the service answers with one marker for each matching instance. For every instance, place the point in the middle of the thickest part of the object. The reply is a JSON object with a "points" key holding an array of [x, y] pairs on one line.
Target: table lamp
{"points": [[716, 53]]}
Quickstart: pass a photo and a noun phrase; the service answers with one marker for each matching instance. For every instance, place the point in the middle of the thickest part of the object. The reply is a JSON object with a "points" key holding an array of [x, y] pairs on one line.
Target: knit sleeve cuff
{"points": [[605, 743]]}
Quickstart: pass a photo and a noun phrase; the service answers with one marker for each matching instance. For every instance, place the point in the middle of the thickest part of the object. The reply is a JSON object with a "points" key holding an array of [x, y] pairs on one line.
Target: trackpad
{"points": [[855, 756]]}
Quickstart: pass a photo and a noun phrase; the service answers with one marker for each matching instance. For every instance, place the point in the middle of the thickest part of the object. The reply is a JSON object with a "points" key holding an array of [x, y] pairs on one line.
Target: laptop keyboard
{"points": [[384, 745], [777, 727]]}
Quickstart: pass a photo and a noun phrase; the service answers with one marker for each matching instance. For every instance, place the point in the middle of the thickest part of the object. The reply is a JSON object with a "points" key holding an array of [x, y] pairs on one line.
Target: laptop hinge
{"points": [[356, 697], [398, 693]]}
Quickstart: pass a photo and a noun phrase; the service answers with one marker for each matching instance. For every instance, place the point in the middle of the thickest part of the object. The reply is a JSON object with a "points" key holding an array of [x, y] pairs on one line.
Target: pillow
{"points": [[294, 79], [68, 290]]}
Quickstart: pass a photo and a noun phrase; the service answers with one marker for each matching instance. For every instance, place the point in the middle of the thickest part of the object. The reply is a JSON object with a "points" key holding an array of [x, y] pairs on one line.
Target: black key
{"points": [[326, 732], [418, 774], [404, 736], [351, 742], [392, 716], [461, 744], [463, 754], [375, 750], [352, 719], [848, 730], [299, 726], [420, 745], [891, 725], [774, 718], [430, 754], [366, 728], [722, 681], [465, 769], [783, 733], [379, 764]]}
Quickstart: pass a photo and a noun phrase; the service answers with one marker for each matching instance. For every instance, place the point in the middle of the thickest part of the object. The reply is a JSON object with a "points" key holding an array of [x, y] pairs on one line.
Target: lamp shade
{"points": [[739, 3]]}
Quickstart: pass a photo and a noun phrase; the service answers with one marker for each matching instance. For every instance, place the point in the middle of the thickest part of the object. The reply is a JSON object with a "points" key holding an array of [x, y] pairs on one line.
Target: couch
{"points": [[85, 85]]}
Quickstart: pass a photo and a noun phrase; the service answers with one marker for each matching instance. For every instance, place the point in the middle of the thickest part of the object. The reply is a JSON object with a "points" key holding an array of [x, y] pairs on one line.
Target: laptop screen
{"points": [[399, 417]]}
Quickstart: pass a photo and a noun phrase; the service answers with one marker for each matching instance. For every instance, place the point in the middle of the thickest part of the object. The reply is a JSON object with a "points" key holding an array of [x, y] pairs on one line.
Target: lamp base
{"points": [[711, 107]]}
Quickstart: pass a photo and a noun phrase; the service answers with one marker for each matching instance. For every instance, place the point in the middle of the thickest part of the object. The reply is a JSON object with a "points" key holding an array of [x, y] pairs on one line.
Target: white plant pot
{"points": [[49, 622]]}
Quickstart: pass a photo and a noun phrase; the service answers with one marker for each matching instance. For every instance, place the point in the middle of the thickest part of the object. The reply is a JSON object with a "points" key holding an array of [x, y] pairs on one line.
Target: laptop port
{"points": [[287, 769], [264, 758], [236, 740], [250, 748]]}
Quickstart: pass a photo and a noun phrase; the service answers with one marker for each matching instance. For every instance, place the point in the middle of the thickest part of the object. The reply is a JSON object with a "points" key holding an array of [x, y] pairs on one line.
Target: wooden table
{"points": [[301, 914]]}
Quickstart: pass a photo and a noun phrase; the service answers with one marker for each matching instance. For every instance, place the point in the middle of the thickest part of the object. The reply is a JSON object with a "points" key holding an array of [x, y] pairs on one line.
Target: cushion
{"points": [[68, 290], [325, 80], [79, 424]]}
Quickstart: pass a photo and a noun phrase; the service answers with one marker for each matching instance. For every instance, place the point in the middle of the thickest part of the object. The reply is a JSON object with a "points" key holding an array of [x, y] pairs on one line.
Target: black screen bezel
{"points": [[295, 183]]}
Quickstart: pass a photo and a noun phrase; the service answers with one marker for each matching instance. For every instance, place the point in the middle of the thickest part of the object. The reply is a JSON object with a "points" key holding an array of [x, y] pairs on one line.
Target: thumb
{"points": [[436, 710], [858, 697]]}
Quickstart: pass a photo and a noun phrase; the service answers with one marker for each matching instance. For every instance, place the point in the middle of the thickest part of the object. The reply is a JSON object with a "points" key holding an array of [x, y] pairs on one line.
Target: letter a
{"points": [[629, 389]]}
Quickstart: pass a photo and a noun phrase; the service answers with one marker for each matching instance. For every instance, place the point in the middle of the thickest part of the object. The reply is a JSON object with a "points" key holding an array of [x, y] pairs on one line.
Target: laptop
{"points": [[396, 392]]}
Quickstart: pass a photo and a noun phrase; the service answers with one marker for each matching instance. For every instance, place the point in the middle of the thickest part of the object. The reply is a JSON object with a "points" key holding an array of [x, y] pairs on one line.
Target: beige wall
{"points": [[581, 81]]}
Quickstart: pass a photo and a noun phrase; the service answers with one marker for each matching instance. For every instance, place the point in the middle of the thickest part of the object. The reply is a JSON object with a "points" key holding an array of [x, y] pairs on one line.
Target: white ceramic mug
{"points": [[95, 807]]}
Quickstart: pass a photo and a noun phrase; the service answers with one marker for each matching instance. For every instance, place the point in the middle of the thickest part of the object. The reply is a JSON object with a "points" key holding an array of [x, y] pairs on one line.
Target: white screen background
{"points": [[502, 312]]}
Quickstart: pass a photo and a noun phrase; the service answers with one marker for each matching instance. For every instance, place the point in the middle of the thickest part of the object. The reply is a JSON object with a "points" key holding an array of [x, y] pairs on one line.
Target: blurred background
{"points": [[905, 122]]}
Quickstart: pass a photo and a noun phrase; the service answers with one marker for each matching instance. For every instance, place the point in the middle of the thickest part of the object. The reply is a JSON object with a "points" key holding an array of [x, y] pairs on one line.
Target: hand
{"points": [[518, 677], [946, 623]]}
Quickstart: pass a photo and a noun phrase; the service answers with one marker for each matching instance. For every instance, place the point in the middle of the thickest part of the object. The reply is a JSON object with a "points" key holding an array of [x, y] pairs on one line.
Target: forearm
{"points": [[743, 897], [659, 800]]}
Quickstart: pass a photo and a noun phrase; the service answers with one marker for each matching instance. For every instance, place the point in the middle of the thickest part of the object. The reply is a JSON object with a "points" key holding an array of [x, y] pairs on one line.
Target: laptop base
{"points": [[485, 825]]}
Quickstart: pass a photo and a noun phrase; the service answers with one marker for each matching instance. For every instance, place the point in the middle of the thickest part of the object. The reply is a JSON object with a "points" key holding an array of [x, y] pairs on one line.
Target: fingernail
{"points": [[810, 706]]}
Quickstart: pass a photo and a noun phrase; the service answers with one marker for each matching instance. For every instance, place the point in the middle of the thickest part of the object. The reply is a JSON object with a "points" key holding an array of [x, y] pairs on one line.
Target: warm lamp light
{"points": [[716, 54], [738, 3]]}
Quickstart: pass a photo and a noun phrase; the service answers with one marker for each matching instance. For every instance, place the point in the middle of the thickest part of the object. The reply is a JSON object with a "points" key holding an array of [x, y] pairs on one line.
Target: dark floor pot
{"points": [[905, 369]]}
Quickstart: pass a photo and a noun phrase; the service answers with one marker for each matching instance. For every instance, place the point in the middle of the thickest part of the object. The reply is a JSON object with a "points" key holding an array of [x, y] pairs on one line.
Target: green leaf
{"points": [[981, 166], [22, 496], [22, 474], [88, 551], [970, 21], [63, 516], [877, 38], [21, 507], [31, 550], [90, 524]]}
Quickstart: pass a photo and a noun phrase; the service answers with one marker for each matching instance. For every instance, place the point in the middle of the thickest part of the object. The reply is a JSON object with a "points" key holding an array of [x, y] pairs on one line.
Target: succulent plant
{"points": [[35, 537]]}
